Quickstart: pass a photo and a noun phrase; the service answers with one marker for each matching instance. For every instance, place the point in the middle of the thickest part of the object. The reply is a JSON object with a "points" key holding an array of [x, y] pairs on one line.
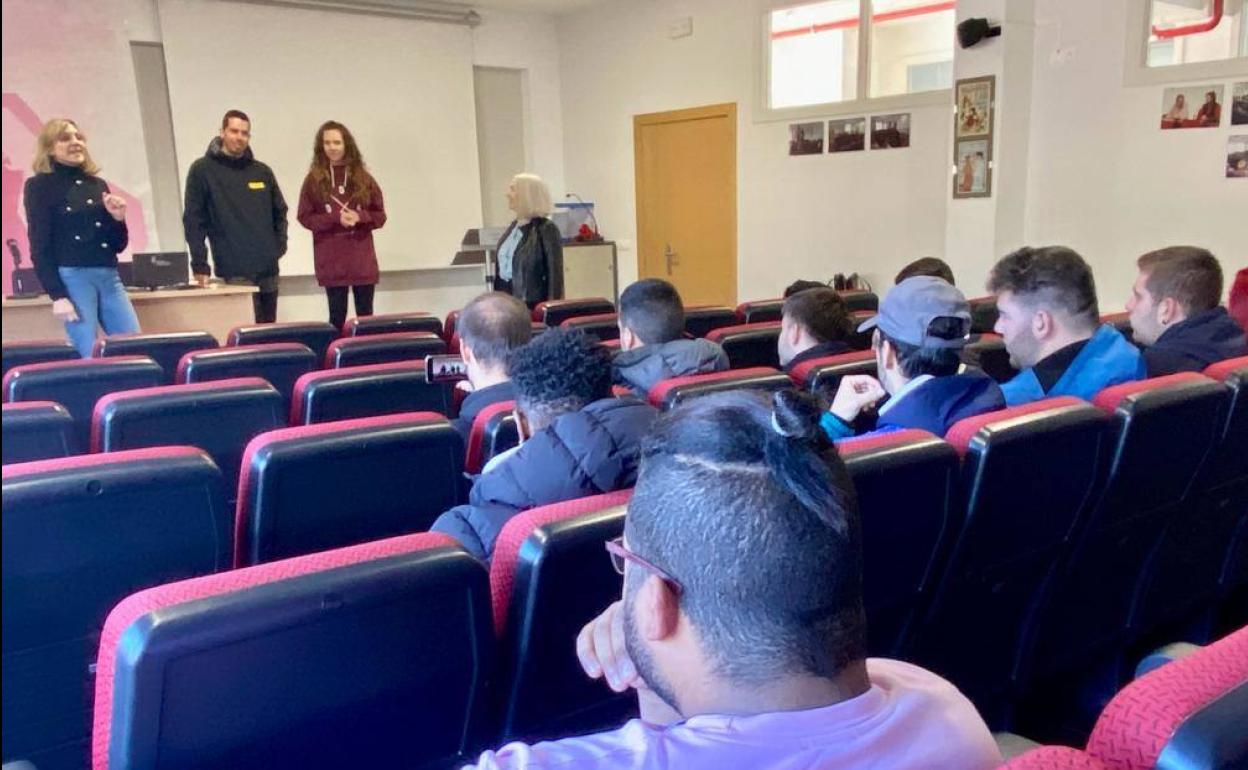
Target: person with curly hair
{"points": [[576, 438]]}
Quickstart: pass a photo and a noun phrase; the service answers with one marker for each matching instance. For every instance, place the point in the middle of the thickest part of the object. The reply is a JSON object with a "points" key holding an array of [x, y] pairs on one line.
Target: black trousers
{"points": [[337, 296], [264, 301]]}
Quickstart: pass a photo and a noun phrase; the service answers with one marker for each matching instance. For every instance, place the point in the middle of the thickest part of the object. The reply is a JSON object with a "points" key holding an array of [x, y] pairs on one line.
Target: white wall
{"points": [[1105, 179], [806, 217]]}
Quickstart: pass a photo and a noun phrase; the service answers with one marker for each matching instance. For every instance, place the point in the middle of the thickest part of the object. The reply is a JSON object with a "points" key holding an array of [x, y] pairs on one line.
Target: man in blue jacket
{"points": [[1046, 298], [1175, 313], [922, 326], [576, 439]]}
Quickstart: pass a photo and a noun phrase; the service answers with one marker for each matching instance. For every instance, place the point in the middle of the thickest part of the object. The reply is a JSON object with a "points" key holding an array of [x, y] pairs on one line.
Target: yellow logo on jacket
{"points": [[256, 185]]}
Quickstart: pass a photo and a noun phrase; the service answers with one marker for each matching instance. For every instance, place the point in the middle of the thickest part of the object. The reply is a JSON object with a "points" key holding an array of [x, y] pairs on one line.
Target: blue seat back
{"points": [[377, 655], [165, 349], [77, 385], [383, 349], [907, 495], [35, 352], [314, 487], [316, 335], [218, 417], [367, 391], [79, 535], [281, 364], [36, 430]]}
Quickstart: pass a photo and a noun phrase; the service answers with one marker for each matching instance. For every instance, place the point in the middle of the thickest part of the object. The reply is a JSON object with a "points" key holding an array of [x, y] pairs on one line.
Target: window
{"points": [[814, 51], [1186, 32]]}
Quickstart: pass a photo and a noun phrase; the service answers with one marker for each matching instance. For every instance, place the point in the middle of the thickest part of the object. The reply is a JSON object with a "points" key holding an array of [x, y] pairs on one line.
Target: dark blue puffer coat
{"points": [[588, 452]]}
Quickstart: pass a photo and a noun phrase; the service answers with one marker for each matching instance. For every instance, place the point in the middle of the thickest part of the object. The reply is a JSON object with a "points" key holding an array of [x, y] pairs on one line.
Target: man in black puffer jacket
{"points": [[581, 441], [233, 200]]}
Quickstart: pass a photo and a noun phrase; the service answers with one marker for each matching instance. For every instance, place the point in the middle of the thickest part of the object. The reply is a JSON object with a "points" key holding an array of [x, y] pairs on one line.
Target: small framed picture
{"points": [[1239, 104], [888, 131], [1237, 156], [806, 138], [972, 176], [1192, 107], [847, 135], [974, 106]]}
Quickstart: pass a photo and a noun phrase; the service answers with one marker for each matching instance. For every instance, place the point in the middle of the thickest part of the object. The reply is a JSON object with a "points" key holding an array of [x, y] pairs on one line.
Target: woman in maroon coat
{"points": [[341, 204]]}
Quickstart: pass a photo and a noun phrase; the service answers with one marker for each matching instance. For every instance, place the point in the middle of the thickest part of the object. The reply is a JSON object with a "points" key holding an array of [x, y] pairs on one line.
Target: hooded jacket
{"points": [[1196, 342], [640, 368], [933, 405], [588, 452], [1107, 359], [236, 204]]}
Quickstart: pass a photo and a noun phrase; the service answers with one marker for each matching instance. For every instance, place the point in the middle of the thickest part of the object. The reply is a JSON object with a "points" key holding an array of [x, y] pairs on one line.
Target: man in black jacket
{"points": [[233, 200], [814, 323], [490, 327], [580, 440], [1175, 313], [652, 343]]}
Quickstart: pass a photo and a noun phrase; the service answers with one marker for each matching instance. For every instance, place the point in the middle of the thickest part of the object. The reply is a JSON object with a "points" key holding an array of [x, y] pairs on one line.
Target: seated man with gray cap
{"points": [[922, 325]]}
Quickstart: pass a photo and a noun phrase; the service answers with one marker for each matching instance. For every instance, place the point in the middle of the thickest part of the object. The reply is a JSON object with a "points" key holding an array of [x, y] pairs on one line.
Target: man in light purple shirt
{"points": [[742, 626]]}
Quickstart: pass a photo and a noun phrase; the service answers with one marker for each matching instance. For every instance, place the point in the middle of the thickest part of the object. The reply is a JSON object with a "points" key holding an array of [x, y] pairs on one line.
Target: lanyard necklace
{"points": [[346, 174]]}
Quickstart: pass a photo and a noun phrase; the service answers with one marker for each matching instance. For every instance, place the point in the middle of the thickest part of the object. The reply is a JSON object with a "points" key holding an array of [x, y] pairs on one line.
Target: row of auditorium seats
{"points": [[952, 580]]}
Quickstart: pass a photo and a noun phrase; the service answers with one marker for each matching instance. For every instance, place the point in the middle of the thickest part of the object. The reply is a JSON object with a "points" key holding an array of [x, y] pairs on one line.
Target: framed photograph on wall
{"points": [[1239, 104], [806, 138], [1237, 156], [890, 131], [973, 106], [1192, 107], [973, 175], [847, 135]]}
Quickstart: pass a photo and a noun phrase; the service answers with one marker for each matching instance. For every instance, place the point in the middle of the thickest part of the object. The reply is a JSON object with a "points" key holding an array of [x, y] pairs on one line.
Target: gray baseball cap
{"points": [[907, 312]]}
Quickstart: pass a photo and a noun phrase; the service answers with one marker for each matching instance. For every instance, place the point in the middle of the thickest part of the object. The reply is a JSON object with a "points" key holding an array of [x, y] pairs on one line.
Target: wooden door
{"points": [[686, 167]]}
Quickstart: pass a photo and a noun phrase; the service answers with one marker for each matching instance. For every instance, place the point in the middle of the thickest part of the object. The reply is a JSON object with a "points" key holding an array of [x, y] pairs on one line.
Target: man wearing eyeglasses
{"points": [[741, 626]]}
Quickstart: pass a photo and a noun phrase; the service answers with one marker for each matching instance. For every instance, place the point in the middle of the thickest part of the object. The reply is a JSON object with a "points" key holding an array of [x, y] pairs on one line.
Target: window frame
{"points": [[1136, 71], [863, 104]]}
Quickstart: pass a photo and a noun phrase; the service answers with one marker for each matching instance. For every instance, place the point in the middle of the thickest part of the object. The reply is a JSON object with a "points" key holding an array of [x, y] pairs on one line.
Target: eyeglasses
{"points": [[620, 554]]}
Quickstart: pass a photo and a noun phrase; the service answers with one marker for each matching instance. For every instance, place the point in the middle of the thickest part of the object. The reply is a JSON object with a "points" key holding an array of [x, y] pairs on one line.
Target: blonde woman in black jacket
{"points": [[530, 253]]}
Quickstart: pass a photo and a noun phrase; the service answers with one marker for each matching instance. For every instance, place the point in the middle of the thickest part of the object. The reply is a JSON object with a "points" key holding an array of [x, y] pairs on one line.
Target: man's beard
{"points": [[643, 661]]}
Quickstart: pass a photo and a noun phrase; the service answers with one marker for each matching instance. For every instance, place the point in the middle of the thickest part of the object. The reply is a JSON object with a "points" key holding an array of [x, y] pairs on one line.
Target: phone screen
{"points": [[445, 369]]}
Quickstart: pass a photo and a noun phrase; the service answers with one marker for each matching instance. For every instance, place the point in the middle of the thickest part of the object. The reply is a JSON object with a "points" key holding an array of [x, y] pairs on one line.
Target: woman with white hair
{"points": [[530, 253]]}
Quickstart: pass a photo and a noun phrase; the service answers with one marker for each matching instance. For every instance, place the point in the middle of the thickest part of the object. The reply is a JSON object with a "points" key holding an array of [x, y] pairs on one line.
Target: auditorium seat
{"points": [[493, 432], [857, 300], [391, 323], [313, 487], [1029, 474], [860, 340], [366, 391], [987, 352], [36, 430], [907, 492], [281, 363], [165, 349], [603, 326], [554, 312], [1055, 758], [376, 655], [1186, 715], [1120, 321], [218, 417], [1145, 559], [983, 314], [1226, 487], [78, 384], [759, 311], [35, 352], [383, 349], [551, 575], [667, 394], [700, 320], [316, 335], [449, 326], [79, 535], [752, 344], [823, 375]]}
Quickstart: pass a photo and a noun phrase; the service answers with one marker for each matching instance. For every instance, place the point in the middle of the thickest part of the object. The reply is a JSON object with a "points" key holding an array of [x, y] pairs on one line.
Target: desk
{"points": [[214, 310]]}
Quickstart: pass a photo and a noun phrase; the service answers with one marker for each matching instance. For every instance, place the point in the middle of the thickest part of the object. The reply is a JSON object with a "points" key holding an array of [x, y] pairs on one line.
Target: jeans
{"points": [[337, 296], [99, 299]]}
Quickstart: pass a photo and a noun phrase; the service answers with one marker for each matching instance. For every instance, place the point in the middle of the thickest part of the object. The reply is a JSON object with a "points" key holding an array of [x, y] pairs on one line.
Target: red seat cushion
{"points": [[802, 371], [1109, 398]]}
